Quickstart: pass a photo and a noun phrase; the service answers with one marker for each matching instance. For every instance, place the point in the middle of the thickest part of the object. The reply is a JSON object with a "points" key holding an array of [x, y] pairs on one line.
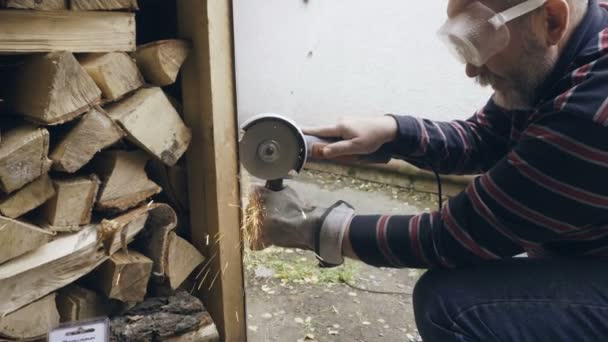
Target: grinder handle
{"points": [[314, 145]]}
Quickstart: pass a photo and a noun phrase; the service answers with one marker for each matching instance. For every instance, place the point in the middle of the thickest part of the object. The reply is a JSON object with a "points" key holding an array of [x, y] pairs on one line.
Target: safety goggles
{"points": [[478, 33]]}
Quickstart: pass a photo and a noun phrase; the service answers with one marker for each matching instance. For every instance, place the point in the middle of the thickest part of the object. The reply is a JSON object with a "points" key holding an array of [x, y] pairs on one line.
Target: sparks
{"points": [[253, 219]]}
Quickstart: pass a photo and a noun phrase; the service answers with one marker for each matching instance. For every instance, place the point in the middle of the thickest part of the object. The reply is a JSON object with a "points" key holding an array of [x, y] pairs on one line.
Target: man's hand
{"points": [[363, 136], [287, 222]]}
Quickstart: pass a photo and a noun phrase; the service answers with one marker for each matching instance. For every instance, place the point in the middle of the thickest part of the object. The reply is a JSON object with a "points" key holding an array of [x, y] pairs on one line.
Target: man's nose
{"points": [[472, 71]]}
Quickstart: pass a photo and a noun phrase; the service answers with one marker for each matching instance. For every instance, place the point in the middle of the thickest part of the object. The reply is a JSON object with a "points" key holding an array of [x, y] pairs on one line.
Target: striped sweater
{"points": [[543, 187]]}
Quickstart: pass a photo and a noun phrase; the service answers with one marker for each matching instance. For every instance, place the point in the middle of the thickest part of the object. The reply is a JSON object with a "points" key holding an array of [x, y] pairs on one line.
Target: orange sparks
{"points": [[253, 219]]}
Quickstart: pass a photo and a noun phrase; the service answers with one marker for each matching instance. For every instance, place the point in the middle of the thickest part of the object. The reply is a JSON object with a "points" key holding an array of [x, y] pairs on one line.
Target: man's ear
{"points": [[555, 21]]}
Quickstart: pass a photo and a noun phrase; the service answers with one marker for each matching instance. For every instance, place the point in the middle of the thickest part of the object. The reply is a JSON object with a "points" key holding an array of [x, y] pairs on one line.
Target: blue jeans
{"points": [[519, 299]]}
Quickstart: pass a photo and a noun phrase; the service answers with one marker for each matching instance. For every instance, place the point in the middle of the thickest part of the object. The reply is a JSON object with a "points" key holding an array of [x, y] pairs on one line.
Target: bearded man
{"points": [[540, 146]]}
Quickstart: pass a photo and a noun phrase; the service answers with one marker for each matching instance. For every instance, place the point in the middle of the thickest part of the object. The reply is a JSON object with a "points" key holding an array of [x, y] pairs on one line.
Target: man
{"points": [[541, 147]]}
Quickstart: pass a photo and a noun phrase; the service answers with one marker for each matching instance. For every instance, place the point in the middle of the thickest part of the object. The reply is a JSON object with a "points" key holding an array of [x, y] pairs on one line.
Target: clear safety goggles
{"points": [[478, 33]]}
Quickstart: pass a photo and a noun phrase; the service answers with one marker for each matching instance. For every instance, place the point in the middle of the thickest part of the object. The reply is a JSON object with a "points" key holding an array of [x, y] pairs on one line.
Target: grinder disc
{"points": [[271, 148]]}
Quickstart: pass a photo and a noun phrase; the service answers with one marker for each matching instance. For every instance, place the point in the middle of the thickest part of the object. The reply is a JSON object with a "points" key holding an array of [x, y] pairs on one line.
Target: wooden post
{"points": [[210, 110]]}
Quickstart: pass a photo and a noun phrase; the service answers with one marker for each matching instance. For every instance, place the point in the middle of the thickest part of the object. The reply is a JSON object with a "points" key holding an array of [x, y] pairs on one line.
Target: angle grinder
{"points": [[273, 148]]}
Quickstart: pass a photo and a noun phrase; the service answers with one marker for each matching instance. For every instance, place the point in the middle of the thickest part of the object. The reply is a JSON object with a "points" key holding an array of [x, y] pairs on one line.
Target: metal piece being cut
{"points": [[272, 147]]}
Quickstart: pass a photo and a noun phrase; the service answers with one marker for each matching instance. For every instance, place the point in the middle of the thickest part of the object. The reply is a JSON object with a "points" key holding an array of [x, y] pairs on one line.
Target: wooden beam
{"points": [[72, 205], [76, 303], [115, 73], [23, 156], [18, 238], [125, 183], [104, 5], [69, 257], [210, 110], [53, 88], [152, 123], [23, 31], [161, 61], [32, 321], [94, 132], [27, 198], [39, 5]]}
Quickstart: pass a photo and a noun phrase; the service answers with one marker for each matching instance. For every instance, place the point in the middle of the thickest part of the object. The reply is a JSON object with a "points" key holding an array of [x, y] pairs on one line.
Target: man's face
{"points": [[515, 73]]}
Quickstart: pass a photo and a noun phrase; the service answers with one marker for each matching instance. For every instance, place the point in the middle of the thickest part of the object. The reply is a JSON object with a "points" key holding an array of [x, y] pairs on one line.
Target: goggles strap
{"points": [[515, 12]]}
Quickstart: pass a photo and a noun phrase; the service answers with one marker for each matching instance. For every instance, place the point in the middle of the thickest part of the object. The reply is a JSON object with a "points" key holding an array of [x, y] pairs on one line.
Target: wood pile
{"points": [[90, 145]]}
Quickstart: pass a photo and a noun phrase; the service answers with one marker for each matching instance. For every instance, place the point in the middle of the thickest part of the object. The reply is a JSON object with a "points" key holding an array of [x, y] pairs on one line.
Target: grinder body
{"points": [[272, 147]]}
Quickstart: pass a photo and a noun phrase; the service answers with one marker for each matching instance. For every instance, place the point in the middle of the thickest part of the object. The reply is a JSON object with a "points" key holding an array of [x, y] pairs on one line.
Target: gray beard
{"points": [[523, 81]]}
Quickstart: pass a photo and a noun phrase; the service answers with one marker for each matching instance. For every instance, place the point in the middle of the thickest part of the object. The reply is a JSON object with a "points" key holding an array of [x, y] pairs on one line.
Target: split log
{"points": [[182, 259], [18, 238], [39, 5], [125, 183], [160, 61], [124, 276], [32, 321], [115, 73], [173, 180], [94, 132], [104, 5], [153, 124], [160, 318], [72, 205], [23, 31], [76, 303], [23, 157], [53, 88], [69, 257], [27, 198]]}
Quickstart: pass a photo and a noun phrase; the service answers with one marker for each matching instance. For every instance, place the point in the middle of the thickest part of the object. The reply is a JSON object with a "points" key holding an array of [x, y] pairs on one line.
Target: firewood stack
{"points": [[83, 121]]}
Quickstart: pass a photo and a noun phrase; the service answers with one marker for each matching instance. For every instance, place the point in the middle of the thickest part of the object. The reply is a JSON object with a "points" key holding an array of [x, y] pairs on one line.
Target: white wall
{"points": [[318, 60]]}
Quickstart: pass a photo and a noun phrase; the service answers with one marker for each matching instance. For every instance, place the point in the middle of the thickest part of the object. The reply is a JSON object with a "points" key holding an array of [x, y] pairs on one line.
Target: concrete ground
{"points": [[290, 299]]}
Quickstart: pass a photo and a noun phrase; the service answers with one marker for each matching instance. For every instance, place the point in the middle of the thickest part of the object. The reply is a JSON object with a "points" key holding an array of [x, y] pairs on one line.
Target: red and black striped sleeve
{"points": [[543, 194], [455, 147]]}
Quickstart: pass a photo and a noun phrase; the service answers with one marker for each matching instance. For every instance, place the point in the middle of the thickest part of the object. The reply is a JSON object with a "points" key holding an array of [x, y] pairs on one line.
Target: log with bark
{"points": [[53, 88], [124, 180], [162, 318], [115, 73], [123, 277], [152, 123], [27, 198], [34, 320], [94, 132], [72, 205], [23, 157], [103, 5], [62, 261], [18, 238], [160, 61]]}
